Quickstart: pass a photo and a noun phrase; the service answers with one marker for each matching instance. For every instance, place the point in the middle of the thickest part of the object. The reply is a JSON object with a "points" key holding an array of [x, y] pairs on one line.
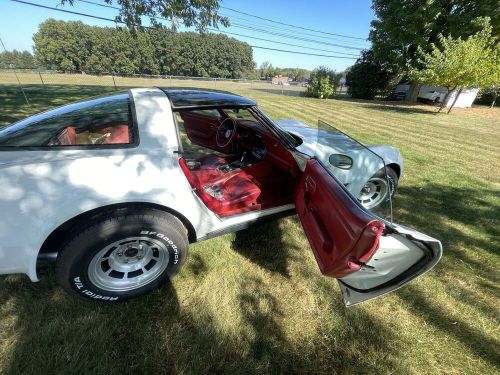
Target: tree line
{"points": [[267, 71], [17, 59], [71, 46]]}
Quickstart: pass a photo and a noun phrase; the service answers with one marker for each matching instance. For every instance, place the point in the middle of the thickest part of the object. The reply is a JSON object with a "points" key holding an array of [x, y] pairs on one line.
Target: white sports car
{"points": [[113, 189]]}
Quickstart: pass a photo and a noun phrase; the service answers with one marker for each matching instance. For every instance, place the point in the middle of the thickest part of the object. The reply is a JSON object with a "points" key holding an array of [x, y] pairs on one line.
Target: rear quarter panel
{"points": [[43, 189]]}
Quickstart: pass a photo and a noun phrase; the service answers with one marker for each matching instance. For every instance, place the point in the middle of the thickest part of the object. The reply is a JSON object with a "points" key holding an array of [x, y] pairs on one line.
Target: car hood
{"points": [[310, 137], [321, 144]]}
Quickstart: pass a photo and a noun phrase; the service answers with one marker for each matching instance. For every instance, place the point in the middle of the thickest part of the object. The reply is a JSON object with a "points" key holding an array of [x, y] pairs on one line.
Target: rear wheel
{"points": [[122, 256], [379, 189]]}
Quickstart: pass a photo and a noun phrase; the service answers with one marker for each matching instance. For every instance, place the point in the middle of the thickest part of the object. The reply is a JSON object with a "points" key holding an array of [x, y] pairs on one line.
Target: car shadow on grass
{"points": [[422, 305], [54, 333], [265, 246], [345, 341], [466, 221], [405, 108]]}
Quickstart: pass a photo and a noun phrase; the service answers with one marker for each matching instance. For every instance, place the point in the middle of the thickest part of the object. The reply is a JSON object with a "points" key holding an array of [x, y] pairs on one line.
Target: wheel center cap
{"points": [[131, 252]]}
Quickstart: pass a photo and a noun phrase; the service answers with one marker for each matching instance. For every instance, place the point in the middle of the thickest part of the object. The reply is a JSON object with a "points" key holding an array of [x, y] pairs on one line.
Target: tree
{"points": [[323, 82], [370, 76], [490, 81], [17, 59], [266, 70], [296, 74], [75, 46], [401, 28], [459, 64], [64, 44], [198, 13]]}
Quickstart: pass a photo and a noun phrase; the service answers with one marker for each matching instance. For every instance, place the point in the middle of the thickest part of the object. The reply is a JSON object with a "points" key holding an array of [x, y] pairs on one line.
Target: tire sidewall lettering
{"points": [[165, 238], [81, 284]]}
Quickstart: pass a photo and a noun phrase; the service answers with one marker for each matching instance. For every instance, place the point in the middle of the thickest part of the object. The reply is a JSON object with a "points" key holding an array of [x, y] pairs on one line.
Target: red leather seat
{"points": [[67, 137], [119, 134], [211, 161], [238, 191], [223, 193]]}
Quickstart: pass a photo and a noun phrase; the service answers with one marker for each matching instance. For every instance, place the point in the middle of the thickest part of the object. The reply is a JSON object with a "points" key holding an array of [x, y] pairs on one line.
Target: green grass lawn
{"points": [[255, 302]]}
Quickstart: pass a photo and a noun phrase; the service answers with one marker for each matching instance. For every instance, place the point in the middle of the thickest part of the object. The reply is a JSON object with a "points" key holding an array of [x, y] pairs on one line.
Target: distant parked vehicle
{"points": [[396, 96], [431, 95]]}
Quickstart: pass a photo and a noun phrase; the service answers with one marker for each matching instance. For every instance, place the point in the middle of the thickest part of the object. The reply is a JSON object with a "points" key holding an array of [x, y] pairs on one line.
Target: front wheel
{"points": [[379, 189], [122, 256]]}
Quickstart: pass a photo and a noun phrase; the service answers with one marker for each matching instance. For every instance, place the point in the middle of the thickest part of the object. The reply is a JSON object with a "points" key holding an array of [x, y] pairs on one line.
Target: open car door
{"points": [[368, 255]]}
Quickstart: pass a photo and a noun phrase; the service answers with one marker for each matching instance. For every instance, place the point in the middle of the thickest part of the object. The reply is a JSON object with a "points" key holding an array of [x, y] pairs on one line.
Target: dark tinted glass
{"points": [[98, 121]]}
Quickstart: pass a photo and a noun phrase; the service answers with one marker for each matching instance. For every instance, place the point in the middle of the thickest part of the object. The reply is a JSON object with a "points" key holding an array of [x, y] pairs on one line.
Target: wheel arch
{"points": [[48, 250], [396, 168]]}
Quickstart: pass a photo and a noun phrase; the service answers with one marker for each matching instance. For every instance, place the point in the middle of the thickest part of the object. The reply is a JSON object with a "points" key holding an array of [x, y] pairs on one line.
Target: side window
{"points": [[239, 114], [102, 121], [214, 113]]}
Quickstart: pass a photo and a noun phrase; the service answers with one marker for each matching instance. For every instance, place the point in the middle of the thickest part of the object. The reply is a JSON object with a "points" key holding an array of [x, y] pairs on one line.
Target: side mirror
{"points": [[340, 161]]}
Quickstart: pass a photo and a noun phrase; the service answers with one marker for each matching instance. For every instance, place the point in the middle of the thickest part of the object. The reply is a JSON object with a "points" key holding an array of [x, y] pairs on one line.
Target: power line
{"points": [[302, 53], [147, 27], [231, 33], [18, 81], [238, 25], [280, 28], [288, 24], [287, 44], [251, 28]]}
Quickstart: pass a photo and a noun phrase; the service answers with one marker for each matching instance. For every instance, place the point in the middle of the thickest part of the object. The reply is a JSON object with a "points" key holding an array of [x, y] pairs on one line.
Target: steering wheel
{"points": [[225, 132]]}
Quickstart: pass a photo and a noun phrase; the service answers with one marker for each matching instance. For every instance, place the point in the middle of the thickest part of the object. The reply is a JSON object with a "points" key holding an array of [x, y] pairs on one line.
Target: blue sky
{"points": [[19, 22]]}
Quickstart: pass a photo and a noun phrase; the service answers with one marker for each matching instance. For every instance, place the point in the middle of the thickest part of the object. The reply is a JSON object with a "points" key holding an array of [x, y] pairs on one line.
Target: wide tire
{"points": [[378, 191], [119, 255]]}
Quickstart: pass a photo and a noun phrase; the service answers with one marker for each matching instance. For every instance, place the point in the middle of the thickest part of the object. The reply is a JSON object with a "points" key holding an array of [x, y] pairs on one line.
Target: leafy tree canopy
{"points": [[17, 59], [197, 13], [461, 63], [401, 28], [267, 71], [323, 82], [370, 76], [75, 46]]}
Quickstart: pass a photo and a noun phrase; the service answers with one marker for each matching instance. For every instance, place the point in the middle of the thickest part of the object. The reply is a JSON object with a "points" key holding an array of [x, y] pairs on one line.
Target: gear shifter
{"points": [[243, 156]]}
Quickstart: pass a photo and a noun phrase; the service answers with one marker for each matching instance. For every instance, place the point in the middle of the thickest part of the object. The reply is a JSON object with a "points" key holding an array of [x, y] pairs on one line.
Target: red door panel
{"points": [[201, 129], [342, 235]]}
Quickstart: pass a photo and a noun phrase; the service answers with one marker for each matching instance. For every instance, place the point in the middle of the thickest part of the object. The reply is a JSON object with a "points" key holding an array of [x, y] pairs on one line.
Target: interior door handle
{"points": [[310, 185]]}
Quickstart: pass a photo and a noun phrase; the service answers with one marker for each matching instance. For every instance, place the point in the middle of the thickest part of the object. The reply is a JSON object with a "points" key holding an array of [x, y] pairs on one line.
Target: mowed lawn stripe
{"points": [[349, 115], [348, 112], [381, 131], [421, 141]]}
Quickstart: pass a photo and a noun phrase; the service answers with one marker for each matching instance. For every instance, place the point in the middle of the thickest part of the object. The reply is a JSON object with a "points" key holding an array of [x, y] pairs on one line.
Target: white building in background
{"points": [[437, 95]]}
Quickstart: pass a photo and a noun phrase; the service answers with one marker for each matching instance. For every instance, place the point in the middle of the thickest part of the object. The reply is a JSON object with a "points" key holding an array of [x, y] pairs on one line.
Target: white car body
{"points": [[42, 190], [61, 185]]}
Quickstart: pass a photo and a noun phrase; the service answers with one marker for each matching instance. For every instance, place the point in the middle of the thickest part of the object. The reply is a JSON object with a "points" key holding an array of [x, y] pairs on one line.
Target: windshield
{"points": [[292, 140]]}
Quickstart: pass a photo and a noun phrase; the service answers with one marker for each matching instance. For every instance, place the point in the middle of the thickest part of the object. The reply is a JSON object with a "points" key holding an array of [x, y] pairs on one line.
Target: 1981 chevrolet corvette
{"points": [[113, 189]]}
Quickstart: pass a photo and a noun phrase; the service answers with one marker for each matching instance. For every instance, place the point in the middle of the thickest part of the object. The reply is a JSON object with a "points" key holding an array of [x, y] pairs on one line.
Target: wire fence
{"points": [[14, 81]]}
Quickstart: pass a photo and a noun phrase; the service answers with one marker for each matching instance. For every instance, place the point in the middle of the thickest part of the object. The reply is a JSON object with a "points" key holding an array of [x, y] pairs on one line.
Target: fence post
{"points": [[114, 83], [215, 83], [170, 80], [41, 79]]}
